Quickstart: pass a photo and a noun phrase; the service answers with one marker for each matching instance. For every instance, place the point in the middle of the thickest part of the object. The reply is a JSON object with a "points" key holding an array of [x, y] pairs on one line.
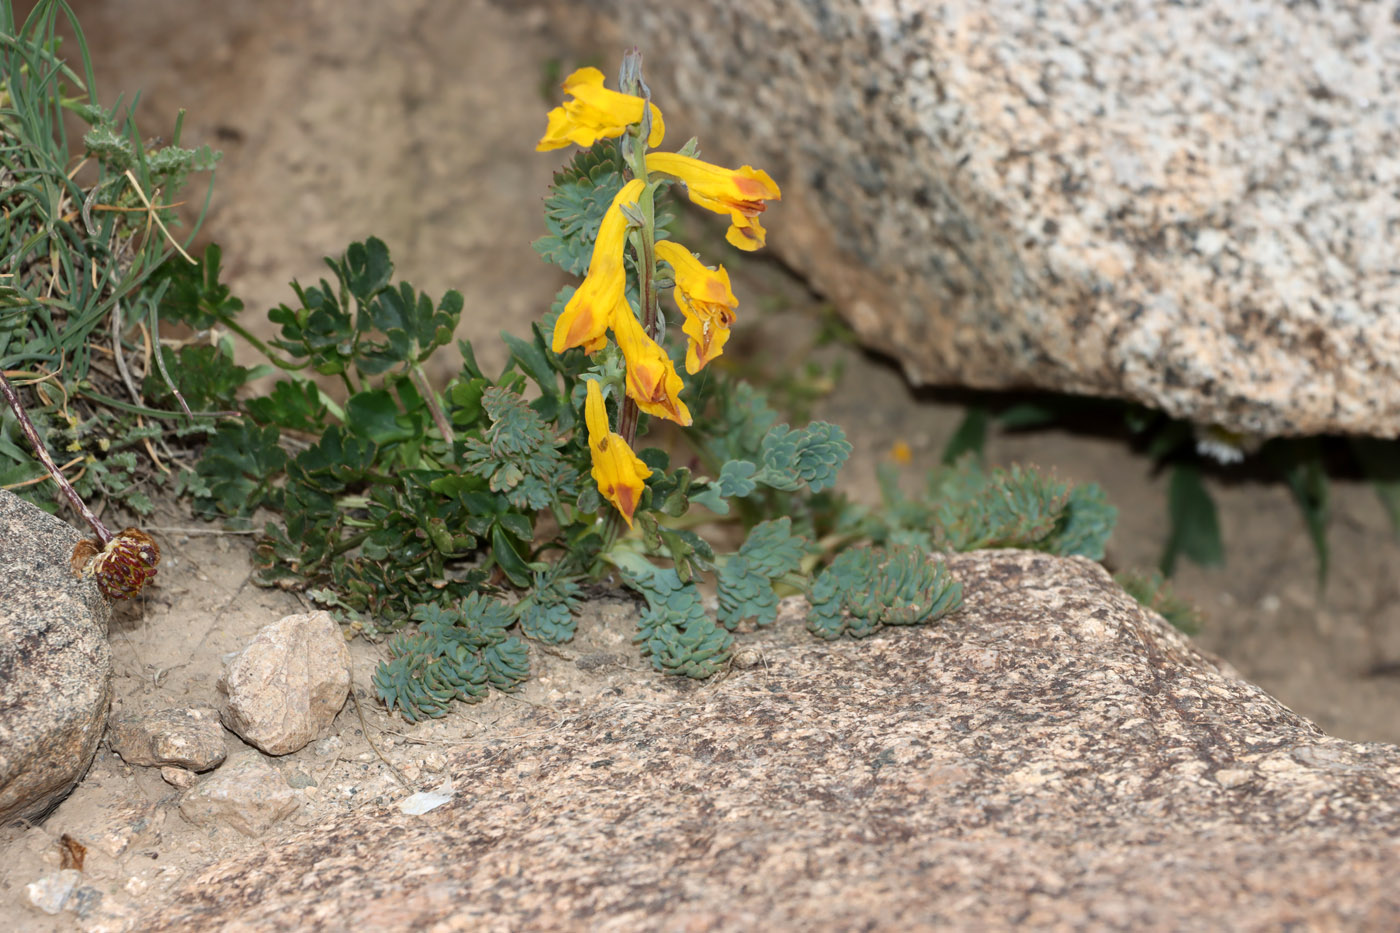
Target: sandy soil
{"points": [[420, 130]]}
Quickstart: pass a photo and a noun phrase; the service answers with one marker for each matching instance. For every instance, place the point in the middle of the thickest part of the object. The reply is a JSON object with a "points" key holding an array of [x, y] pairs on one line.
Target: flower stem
{"points": [[262, 347], [634, 151], [7, 389], [430, 396]]}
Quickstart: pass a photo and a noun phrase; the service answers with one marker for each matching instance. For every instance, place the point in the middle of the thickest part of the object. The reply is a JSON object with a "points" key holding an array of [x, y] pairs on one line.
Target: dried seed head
{"points": [[123, 567]]}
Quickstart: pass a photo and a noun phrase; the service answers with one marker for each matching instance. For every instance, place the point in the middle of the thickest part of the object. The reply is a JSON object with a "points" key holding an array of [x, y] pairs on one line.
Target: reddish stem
{"points": [[7, 389]]}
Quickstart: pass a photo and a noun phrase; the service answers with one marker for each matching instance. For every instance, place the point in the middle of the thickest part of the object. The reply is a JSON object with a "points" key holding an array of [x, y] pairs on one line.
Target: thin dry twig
{"points": [[364, 727]]}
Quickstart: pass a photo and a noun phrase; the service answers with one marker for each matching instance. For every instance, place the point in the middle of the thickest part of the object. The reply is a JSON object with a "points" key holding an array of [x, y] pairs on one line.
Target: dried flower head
{"points": [[122, 568]]}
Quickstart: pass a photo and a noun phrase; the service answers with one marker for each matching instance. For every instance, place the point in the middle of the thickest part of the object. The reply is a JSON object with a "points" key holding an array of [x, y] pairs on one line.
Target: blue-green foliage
{"points": [[867, 588], [547, 613], [518, 455], [964, 507], [574, 209], [578, 198], [787, 460], [746, 578], [674, 631], [454, 655]]}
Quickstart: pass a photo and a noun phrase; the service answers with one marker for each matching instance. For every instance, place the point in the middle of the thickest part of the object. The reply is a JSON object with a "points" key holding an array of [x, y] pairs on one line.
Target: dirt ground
{"points": [[415, 122]]}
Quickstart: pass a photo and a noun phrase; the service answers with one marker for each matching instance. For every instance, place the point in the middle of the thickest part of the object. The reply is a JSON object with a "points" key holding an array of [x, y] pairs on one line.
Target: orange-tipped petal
{"points": [[707, 301], [619, 473], [589, 313], [740, 193], [652, 380]]}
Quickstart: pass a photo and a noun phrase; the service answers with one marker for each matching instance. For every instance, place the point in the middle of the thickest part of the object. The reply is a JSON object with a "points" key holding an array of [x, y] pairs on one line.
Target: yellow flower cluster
{"points": [[600, 304]]}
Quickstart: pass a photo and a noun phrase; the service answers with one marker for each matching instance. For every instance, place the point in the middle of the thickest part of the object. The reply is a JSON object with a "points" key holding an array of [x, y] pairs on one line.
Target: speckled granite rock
{"points": [[1050, 757], [55, 667], [1189, 205]]}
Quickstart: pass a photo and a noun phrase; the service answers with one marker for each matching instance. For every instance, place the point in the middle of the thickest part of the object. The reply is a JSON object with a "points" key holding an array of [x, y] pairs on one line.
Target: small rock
{"points": [[178, 777], [188, 738], [425, 801], [286, 687], [247, 794], [298, 778], [51, 892], [329, 746]]}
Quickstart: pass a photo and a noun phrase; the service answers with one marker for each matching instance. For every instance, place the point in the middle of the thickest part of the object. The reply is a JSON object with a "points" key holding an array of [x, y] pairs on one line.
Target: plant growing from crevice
{"points": [[467, 519], [1188, 453]]}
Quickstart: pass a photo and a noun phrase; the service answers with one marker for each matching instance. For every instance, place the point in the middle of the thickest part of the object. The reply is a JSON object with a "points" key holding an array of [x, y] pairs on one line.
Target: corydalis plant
{"points": [[477, 513], [600, 304]]}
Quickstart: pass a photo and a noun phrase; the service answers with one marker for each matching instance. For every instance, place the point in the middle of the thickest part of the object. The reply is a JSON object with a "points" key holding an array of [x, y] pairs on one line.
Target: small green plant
{"points": [[466, 519], [86, 237], [1154, 591], [1189, 452]]}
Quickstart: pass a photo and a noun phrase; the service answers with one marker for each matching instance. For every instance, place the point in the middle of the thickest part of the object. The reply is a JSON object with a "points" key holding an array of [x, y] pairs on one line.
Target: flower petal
{"points": [[652, 380], [740, 193], [595, 113], [707, 301], [589, 313], [619, 472]]}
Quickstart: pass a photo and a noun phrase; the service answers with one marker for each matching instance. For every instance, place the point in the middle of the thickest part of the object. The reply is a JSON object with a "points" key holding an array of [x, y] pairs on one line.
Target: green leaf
{"points": [[374, 414], [735, 479], [867, 588], [1086, 526], [1195, 528], [745, 579], [696, 649], [574, 209], [195, 295], [691, 554], [365, 269], [504, 551], [1028, 415], [238, 467], [969, 437], [335, 462], [548, 612], [1300, 463], [811, 455], [293, 405], [207, 377], [530, 355], [1002, 508], [464, 402], [1380, 462], [507, 664]]}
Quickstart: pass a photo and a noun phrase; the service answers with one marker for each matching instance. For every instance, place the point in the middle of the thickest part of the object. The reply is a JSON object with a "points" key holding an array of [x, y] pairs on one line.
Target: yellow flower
{"points": [[618, 472], [590, 310], [706, 300], [595, 113], [740, 193], [652, 380]]}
